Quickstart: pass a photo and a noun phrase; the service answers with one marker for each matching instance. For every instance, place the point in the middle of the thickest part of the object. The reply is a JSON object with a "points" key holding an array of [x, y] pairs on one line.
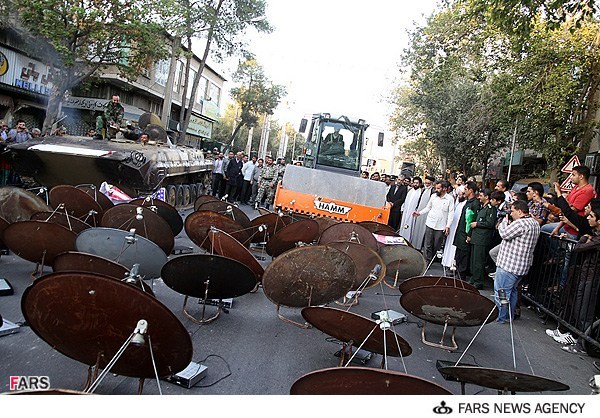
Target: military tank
{"points": [[137, 169]]}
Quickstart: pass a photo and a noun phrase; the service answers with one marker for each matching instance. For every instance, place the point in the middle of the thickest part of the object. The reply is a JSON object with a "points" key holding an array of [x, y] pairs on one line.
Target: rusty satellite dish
{"points": [[3, 225], [91, 263], [272, 222], [308, 276], [77, 203], [197, 224], [421, 281], [503, 380], [346, 231], [264, 211], [228, 278], [84, 262], [351, 328], [379, 228], [151, 225], [324, 223], [53, 391], [227, 246], [87, 317], [448, 306], [229, 210], [363, 381], [124, 248], [286, 238], [164, 210], [365, 259], [70, 222], [451, 305], [37, 241], [402, 262], [203, 199], [17, 204], [103, 200]]}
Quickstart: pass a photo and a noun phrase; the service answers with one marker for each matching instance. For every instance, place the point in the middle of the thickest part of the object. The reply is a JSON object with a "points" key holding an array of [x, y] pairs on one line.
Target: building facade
{"points": [[26, 82]]}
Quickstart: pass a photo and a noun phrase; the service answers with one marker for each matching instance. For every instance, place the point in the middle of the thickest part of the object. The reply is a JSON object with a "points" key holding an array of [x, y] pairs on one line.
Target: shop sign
{"points": [[24, 73], [200, 127]]}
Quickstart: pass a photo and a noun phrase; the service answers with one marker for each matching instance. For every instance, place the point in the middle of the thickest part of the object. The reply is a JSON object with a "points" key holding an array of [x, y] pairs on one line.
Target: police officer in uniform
{"points": [[267, 182]]}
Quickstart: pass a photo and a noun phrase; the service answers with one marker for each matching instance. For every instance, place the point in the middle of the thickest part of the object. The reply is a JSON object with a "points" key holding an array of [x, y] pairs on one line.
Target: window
{"points": [[214, 93], [202, 87], [161, 72], [178, 77], [191, 83]]}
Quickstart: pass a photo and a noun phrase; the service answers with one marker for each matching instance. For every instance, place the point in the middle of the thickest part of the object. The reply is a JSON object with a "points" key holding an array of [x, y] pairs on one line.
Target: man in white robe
{"points": [[418, 227], [449, 248], [410, 205]]}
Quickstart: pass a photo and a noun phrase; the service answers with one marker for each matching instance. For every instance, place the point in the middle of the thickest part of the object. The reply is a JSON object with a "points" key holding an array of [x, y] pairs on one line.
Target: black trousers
{"points": [[217, 180], [463, 262], [434, 240]]}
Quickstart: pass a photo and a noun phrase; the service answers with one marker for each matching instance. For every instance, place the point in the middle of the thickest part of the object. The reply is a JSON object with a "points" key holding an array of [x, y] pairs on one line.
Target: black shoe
{"points": [[597, 365]]}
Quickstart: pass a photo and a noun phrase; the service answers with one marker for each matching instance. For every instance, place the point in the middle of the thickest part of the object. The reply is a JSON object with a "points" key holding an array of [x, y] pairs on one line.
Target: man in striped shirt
{"points": [[515, 257]]}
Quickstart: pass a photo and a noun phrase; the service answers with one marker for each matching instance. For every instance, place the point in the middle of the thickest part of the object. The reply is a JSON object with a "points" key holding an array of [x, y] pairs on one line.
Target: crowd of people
{"points": [[483, 234], [248, 181]]}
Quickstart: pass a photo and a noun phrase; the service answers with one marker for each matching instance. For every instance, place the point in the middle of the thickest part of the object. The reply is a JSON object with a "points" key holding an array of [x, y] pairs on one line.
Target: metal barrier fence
{"points": [[564, 283]]}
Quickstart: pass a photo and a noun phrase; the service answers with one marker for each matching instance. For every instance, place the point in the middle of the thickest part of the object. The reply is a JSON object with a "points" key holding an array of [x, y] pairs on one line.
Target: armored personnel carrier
{"points": [[135, 168]]}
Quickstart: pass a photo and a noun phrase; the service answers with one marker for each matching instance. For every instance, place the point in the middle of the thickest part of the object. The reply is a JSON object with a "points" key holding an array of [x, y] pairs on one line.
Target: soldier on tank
{"points": [[267, 182], [107, 124]]}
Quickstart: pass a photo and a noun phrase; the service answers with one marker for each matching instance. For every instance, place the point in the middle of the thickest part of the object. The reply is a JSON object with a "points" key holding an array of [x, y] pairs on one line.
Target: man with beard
{"points": [[463, 248], [440, 211], [410, 205], [450, 248], [396, 196], [482, 232], [418, 224]]}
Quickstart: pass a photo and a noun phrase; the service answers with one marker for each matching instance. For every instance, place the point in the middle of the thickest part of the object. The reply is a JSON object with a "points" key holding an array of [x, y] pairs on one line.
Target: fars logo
{"points": [[331, 207], [29, 382]]}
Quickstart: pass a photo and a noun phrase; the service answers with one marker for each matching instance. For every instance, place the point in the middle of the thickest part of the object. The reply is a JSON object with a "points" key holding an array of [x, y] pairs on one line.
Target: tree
{"points": [[553, 91], [255, 96], [223, 21], [518, 17], [447, 102], [80, 38]]}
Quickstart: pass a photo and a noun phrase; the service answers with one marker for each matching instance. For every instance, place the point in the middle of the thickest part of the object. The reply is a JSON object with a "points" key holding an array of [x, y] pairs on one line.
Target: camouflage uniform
{"points": [[269, 176]]}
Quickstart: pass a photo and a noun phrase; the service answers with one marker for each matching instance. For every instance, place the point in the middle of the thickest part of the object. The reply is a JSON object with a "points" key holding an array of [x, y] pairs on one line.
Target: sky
{"points": [[336, 56]]}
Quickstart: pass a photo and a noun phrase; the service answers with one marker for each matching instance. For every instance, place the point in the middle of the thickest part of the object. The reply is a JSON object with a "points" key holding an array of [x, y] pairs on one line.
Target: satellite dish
{"points": [[147, 119], [156, 132]]}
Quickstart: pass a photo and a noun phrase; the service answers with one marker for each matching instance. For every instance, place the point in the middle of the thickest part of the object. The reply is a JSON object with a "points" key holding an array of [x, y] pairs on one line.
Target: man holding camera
{"points": [[519, 237]]}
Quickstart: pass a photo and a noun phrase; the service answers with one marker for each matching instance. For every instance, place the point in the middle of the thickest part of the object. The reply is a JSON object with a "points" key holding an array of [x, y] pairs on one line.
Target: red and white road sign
{"points": [[573, 162], [567, 185]]}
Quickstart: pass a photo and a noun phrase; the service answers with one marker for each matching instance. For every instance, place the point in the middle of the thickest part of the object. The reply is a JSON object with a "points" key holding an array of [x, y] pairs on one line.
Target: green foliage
{"points": [[517, 17], [256, 94], [471, 82], [79, 38]]}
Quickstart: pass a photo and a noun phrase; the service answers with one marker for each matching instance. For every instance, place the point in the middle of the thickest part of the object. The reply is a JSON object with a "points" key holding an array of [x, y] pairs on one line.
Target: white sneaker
{"points": [[566, 339], [553, 333], [492, 275]]}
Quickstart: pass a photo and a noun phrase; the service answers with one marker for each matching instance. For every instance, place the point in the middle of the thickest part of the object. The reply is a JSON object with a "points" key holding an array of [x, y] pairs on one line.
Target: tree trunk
{"points": [[188, 65], [234, 134], [167, 102], [209, 38]]}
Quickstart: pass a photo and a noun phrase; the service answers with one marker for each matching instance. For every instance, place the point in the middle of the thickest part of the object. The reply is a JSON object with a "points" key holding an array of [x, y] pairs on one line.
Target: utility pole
{"points": [[512, 152], [249, 142], [264, 137]]}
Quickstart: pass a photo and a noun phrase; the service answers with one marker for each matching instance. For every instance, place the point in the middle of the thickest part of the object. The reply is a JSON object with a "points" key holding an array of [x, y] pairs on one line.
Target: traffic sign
{"points": [[573, 162], [567, 185]]}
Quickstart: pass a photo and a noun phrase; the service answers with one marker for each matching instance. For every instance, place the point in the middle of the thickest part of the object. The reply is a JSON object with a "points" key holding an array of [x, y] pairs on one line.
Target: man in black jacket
{"points": [[233, 176], [463, 248], [396, 196]]}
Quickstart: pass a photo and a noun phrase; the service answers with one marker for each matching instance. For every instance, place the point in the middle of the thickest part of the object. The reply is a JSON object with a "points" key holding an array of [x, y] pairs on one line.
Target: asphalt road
{"points": [[250, 351]]}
